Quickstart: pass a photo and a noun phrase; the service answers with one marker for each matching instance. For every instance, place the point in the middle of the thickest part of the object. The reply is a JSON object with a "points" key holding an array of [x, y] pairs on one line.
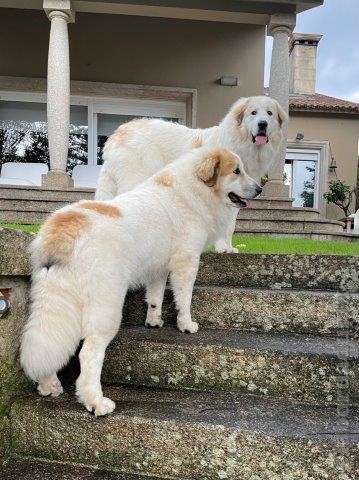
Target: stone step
{"points": [[272, 202], [25, 217], [22, 204], [27, 469], [307, 272], [293, 213], [39, 194], [289, 225], [287, 366], [260, 310], [30, 206], [191, 435]]}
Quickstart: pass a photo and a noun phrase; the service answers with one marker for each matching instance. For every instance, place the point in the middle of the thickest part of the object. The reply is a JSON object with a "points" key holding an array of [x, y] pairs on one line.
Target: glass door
{"points": [[302, 176]]}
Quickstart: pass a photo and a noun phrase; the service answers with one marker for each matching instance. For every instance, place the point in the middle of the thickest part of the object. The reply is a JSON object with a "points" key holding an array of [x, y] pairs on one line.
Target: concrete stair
{"points": [[310, 312], [290, 366], [19, 469], [292, 213], [278, 217], [266, 390], [290, 225], [190, 435], [20, 204]]}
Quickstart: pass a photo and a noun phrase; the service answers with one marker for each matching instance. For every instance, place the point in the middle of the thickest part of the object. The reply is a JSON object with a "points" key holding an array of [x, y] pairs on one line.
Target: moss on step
{"points": [[12, 379]]}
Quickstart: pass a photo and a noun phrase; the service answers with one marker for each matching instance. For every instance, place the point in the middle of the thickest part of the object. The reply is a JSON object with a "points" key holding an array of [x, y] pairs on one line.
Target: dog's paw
{"points": [[104, 407], [50, 388], [187, 326], [154, 322], [231, 250], [224, 247]]}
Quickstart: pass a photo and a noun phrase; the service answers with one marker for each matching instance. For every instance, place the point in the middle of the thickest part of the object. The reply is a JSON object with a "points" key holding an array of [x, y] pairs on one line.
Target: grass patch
{"points": [[20, 226], [302, 246], [262, 244]]}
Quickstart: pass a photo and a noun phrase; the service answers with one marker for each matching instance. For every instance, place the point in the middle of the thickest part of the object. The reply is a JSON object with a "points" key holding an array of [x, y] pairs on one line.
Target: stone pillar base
{"points": [[275, 188], [57, 180]]}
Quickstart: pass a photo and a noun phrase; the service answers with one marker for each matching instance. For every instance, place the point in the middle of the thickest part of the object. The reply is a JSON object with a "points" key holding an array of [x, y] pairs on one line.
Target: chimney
{"points": [[303, 59]]}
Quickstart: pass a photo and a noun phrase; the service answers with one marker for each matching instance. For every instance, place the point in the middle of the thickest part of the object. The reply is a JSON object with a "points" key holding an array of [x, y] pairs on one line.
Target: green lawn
{"points": [[259, 244], [303, 246], [19, 226]]}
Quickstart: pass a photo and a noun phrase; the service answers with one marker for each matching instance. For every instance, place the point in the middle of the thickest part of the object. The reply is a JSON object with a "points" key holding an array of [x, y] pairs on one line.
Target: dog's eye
{"points": [[237, 171], [269, 112], [254, 112]]}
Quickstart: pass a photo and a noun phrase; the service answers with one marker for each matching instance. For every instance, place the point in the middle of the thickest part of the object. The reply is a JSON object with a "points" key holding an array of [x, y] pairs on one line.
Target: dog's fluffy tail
{"points": [[53, 330]]}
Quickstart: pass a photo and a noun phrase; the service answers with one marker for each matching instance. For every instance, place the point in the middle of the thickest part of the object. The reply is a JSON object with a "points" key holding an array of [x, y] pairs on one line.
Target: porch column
{"points": [[280, 28], [60, 13]]}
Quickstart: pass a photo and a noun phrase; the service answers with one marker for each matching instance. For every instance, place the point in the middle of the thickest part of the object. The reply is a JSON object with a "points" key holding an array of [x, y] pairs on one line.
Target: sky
{"points": [[338, 50]]}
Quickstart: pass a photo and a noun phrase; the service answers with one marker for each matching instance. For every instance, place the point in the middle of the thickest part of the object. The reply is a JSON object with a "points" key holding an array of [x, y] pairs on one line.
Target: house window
{"points": [[23, 133], [301, 175], [23, 125]]}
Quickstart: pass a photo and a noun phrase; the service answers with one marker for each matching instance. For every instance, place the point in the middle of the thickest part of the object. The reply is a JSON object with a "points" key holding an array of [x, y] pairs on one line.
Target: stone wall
{"points": [[14, 281]]}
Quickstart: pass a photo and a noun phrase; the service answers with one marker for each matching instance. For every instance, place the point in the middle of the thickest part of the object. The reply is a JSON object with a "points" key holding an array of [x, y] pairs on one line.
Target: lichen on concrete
{"points": [[12, 380], [168, 435], [174, 363]]}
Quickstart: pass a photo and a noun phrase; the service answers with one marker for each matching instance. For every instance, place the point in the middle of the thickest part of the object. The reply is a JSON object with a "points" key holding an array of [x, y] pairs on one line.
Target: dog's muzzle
{"points": [[238, 201], [261, 138]]}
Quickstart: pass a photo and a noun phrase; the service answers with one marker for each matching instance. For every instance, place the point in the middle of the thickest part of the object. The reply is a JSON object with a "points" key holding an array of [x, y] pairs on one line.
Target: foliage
{"points": [[264, 178], [29, 143], [339, 194], [308, 192]]}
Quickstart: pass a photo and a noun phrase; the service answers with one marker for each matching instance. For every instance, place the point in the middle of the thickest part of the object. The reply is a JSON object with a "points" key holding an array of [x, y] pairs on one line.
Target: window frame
{"points": [[299, 156], [323, 174], [155, 108]]}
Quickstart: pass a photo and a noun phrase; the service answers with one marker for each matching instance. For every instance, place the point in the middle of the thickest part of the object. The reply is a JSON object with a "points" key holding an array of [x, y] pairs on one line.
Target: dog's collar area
{"points": [[237, 200], [260, 139]]}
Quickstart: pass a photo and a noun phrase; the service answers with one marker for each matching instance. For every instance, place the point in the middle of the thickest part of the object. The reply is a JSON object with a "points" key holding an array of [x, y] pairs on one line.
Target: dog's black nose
{"points": [[258, 190], [262, 125]]}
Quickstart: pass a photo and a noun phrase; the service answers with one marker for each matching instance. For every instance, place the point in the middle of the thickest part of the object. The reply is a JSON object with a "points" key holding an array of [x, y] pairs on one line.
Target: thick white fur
{"points": [[78, 286], [138, 149]]}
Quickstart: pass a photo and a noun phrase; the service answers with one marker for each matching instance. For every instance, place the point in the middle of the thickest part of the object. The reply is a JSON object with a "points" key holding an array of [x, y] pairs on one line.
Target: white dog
{"points": [[87, 256], [138, 149]]}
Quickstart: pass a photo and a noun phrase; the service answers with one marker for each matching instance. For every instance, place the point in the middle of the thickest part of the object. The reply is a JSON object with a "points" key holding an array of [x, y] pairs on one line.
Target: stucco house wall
{"points": [[342, 131], [144, 50]]}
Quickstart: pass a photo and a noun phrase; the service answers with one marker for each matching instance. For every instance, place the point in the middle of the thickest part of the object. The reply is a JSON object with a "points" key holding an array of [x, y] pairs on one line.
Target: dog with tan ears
{"points": [[87, 255], [136, 150]]}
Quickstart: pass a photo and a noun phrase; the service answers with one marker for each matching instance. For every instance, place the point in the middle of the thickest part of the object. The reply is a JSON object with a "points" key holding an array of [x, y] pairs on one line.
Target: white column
{"points": [[280, 28], [60, 14]]}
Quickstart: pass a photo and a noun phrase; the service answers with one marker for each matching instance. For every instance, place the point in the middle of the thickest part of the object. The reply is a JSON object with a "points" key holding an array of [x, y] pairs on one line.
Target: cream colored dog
{"points": [[87, 256], [138, 149]]}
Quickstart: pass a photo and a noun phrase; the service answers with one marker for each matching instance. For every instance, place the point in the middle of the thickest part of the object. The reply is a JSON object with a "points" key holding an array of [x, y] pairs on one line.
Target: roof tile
{"points": [[319, 102]]}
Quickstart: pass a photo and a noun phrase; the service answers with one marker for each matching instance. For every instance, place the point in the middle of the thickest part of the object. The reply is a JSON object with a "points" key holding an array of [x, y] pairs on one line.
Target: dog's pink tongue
{"points": [[248, 203], [261, 140]]}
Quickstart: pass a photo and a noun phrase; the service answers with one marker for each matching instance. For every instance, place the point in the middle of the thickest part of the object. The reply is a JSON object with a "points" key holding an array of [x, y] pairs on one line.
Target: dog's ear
{"points": [[282, 116], [240, 109], [208, 169], [216, 163]]}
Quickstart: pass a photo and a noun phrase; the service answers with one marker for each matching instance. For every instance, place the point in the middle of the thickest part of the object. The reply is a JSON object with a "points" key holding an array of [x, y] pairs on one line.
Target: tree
{"points": [[340, 194], [308, 192], [37, 149], [77, 150], [10, 140]]}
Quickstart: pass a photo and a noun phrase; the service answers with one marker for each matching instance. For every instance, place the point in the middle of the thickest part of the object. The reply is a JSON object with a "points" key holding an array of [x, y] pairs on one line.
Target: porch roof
{"points": [[236, 11]]}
